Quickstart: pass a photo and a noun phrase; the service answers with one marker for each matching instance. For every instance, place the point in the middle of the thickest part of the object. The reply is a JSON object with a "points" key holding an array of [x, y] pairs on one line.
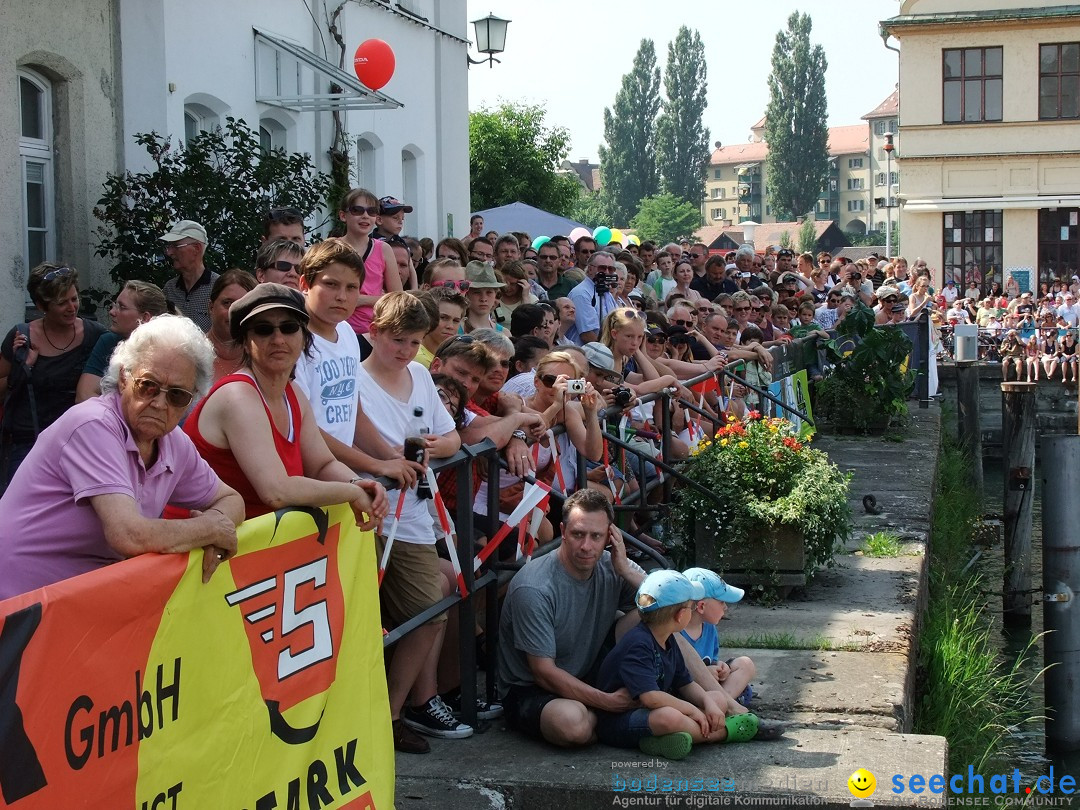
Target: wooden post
{"points": [[1018, 446], [969, 428]]}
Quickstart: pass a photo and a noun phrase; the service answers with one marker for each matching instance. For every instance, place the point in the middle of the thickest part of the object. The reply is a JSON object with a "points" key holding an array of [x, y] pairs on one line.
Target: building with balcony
{"points": [[884, 176], [990, 129], [77, 87], [736, 186]]}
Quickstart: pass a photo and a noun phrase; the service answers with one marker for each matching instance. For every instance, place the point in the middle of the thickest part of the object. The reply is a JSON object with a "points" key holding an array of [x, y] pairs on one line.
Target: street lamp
{"points": [[490, 38], [888, 147]]}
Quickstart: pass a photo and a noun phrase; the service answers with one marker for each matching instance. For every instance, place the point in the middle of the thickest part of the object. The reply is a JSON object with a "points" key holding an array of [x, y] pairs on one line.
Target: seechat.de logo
{"points": [[862, 785]]}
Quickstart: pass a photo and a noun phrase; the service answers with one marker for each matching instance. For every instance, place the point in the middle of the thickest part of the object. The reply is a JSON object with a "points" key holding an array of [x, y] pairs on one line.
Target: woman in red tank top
{"points": [[258, 435]]}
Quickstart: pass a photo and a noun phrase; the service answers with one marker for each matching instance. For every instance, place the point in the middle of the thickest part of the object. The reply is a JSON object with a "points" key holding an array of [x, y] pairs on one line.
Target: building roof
{"points": [[888, 108], [766, 234], [588, 174], [856, 253], [842, 141], [846, 140], [903, 21]]}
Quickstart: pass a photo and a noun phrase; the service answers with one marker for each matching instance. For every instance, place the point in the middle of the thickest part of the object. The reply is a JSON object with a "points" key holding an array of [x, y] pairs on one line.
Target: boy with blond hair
{"points": [[735, 674]]}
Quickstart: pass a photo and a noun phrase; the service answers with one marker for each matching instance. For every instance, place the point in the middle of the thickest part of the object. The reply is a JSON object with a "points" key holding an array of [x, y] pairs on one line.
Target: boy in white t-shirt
{"points": [[392, 387], [331, 274]]}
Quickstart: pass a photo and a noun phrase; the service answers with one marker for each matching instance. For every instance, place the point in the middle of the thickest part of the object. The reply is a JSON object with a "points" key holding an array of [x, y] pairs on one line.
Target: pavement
{"points": [[843, 680]]}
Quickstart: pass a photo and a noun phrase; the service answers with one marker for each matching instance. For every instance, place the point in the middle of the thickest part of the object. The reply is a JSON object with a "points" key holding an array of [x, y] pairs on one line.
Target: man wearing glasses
{"points": [[278, 261], [592, 306], [548, 276], [189, 290], [481, 250], [699, 253], [827, 314]]}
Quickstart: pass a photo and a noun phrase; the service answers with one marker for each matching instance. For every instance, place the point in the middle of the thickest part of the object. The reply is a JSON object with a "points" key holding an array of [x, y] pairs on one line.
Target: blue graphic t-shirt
{"points": [[328, 380]]}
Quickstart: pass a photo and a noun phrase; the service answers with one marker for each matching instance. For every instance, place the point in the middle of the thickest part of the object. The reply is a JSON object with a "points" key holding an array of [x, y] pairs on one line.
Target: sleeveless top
{"points": [[224, 463], [374, 273]]}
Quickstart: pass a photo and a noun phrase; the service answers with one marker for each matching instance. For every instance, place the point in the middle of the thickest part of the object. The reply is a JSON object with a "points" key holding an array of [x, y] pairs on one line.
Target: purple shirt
{"points": [[48, 529]]}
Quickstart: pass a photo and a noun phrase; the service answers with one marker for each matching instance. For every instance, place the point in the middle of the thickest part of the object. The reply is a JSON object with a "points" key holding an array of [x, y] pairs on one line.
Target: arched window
{"points": [[365, 164], [36, 157], [410, 175], [272, 135], [200, 117]]}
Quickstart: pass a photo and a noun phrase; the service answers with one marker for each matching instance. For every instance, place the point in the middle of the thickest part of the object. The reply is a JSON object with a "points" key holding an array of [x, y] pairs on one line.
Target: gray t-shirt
{"points": [[549, 614]]}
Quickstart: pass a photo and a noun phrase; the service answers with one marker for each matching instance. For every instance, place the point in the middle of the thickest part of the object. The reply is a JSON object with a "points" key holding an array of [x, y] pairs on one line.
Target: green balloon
{"points": [[602, 235], [540, 241]]}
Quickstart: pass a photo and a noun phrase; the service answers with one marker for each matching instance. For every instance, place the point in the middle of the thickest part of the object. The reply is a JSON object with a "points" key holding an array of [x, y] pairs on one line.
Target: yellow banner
{"points": [[138, 686]]}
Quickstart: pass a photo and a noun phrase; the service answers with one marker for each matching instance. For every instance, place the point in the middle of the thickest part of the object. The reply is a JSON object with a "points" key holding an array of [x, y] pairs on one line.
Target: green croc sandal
{"points": [[742, 727], [669, 746]]}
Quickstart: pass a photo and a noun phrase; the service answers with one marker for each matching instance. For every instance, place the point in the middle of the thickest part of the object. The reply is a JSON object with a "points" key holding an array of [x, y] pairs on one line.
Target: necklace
{"points": [[66, 346]]}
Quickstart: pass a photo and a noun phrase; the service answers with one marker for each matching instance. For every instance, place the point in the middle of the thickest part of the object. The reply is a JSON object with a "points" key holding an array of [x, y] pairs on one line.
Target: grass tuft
{"points": [[882, 544]]}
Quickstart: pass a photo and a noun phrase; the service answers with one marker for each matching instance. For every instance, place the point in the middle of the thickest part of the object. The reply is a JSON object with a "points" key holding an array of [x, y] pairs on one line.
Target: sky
{"points": [[570, 56]]}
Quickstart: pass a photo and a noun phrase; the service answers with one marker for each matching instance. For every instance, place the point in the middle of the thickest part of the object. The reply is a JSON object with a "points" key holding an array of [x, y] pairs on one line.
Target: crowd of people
{"points": [[223, 396]]}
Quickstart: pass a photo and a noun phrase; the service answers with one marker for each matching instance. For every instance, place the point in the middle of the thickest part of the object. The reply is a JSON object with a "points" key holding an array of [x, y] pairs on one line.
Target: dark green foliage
{"points": [[682, 139], [224, 180], [628, 162], [870, 385], [795, 121], [514, 157], [666, 218]]}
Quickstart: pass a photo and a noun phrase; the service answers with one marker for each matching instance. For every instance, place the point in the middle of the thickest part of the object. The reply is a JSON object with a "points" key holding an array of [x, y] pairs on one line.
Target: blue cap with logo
{"points": [[666, 588], [714, 585]]}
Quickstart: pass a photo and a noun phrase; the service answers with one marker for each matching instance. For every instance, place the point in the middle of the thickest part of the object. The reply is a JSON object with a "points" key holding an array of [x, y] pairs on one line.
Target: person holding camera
{"points": [[592, 298]]}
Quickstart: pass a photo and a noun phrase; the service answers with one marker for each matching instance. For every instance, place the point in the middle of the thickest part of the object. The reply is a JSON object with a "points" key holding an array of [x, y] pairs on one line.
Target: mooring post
{"points": [[969, 428], [1018, 446], [1061, 586]]}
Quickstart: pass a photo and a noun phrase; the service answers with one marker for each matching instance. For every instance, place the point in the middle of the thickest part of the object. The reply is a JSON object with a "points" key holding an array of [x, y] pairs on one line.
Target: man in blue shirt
{"points": [[590, 305]]}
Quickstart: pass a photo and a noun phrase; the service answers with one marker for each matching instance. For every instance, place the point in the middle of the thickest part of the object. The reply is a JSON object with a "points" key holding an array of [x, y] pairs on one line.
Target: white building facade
{"points": [[95, 78]]}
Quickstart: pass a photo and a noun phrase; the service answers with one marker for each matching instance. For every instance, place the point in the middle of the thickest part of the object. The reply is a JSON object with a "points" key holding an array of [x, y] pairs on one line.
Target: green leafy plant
{"points": [[882, 544], [872, 379], [761, 475], [223, 179]]}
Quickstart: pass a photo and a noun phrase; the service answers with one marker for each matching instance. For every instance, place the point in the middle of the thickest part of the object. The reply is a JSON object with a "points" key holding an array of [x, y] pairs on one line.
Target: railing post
{"points": [[968, 424], [1061, 588], [466, 612], [1018, 445], [665, 441], [922, 347]]}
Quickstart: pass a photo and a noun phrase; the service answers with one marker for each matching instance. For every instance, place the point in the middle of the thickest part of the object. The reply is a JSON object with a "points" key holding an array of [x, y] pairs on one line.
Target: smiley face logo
{"points": [[862, 784]]}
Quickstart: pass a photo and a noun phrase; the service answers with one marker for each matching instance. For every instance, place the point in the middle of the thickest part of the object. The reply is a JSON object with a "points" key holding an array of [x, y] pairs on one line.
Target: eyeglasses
{"points": [[632, 313], [657, 339], [764, 309], [287, 267], [59, 272], [825, 260], [679, 322], [697, 255], [265, 329], [357, 210], [173, 246], [461, 286], [146, 389], [610, 376], [890, 299], [548, 380], [832, 300], [742, 309]]}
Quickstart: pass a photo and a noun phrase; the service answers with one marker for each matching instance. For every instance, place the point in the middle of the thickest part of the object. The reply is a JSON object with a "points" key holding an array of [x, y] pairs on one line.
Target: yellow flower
{"points": [[743, 445], [773, 428], [724, 442]]}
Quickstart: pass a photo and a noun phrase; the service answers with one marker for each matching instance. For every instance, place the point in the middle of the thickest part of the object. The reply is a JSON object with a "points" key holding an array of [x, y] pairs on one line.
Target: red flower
{"points": [[754, 414]]}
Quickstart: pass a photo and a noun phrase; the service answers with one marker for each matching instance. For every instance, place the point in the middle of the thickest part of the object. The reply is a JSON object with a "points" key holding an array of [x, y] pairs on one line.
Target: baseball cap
{"points": [[714, 585], [263, 297], [950, 281], [784, 252], [481, 276], [662, 589], [391, 205], [886, 290], [599, 356], [185, 229]]}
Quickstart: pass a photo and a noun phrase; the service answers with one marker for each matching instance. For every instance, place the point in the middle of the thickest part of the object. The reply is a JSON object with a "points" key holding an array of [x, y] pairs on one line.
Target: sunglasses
{"points": [[632, 313], [890, 299], [832, 300], [265, 329], [548, 380], [146, 389], [284, 213], [460, 286], [679, 322], [657, 339], [764, 309], [59, 272], [742, 309], [286, 267], [357, 210], [610, 376]]}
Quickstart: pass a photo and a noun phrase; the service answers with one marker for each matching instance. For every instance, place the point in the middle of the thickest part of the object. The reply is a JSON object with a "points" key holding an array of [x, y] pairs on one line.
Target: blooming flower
{"points": [[743, 445]]}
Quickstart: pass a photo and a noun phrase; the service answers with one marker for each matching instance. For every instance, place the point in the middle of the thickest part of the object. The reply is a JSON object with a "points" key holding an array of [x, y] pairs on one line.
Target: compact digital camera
{"points": [[575, 387]]}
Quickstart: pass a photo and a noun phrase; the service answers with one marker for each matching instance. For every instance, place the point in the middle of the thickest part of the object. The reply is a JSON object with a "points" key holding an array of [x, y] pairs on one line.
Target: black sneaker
{"points": [[407, 740], [435, 719], [484, 710]]}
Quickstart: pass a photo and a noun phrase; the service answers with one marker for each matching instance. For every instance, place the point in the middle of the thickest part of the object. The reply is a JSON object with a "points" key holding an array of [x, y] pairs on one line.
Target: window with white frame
{"points": [[365, 164], [198, 119], [718, 174], [854, 163], [271, 135], [894, 178], [856, 205], [718, 213], [854, 183], [879, 179], [717, 193], [36, 157]]}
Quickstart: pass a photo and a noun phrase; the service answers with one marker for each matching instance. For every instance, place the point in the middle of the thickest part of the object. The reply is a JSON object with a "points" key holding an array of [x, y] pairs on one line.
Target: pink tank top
{"points": [[374, 272]]}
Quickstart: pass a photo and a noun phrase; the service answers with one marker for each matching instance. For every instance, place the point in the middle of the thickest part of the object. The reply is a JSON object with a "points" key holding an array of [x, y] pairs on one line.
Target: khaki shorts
{"points": [[412, 582]]}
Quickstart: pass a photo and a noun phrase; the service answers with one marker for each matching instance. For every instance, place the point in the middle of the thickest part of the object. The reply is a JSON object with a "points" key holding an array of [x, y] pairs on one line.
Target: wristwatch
{"points": [[519, 434]]}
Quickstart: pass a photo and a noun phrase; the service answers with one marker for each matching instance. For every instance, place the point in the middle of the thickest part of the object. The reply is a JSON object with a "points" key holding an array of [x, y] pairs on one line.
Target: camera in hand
{"points": [[605, 282], [622, 395], [414, 448], [575, 387]]}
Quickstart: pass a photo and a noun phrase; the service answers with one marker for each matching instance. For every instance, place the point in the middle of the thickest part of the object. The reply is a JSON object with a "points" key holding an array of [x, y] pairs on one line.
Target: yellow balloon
{"points": [[617, 236], [862, 783], [633, 239]]}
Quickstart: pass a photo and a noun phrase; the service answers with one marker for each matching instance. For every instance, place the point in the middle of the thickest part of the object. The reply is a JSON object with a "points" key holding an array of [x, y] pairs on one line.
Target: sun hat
{"points": [[665, 588], [263, 297], [714, 585], [481, 276], [185, 229], [599, 356]]}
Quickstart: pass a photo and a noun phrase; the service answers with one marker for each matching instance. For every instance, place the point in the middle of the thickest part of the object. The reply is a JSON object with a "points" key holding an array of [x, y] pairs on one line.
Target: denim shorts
{"points": [[623, 729]]}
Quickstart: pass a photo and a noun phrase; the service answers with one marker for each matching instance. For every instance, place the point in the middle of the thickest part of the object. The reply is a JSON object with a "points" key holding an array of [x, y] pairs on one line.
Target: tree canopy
{"points": [[515, 157], [795, 121], [682, 139], [628, 161], [665, 218]]}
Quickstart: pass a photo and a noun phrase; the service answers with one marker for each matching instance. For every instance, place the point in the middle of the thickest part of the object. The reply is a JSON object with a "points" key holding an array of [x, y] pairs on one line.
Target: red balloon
{"points": [[374, 63]]}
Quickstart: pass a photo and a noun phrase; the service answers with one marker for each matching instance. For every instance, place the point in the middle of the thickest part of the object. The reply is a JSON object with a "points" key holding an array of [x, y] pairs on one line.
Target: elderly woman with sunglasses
{"points": [[40, 363], [92, 490], [256, 428]]}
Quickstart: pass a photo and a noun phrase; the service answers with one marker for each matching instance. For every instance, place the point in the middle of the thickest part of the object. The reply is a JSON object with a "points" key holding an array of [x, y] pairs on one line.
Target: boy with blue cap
{"points": [[735, 674], [676, 712]]}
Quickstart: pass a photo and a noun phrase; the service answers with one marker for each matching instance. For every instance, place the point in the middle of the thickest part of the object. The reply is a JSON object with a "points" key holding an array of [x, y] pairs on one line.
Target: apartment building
{"points": [[736, 186], [884, 176], [991, 138]]}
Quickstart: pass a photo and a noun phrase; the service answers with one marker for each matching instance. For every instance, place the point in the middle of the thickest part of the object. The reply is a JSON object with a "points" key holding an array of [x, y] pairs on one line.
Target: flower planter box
{"points": [[752, 562]]}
